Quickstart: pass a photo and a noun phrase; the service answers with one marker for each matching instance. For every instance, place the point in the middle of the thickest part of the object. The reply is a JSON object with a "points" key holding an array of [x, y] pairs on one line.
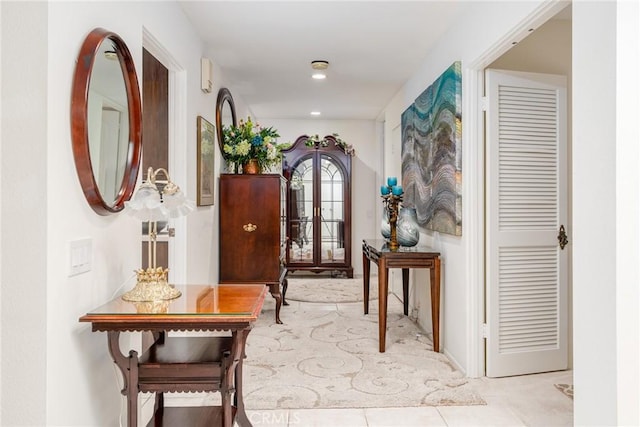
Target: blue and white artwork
{"points": [[432, 155]]}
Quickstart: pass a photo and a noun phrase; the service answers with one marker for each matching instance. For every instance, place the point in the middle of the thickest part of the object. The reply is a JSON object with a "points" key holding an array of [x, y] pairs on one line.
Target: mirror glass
{"points": [[301, 211], [329, 218], [106, 121], [225, 114], [331, 210]]}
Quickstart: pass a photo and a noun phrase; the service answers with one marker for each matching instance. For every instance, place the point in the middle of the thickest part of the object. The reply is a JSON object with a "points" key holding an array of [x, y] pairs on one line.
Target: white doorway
{"points": [[546, 50], [177, 132], [550, 27]]}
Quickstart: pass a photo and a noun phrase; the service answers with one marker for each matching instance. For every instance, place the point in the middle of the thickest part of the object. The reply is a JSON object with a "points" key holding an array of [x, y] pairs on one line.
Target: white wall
{"points": [[55, 371], [24, 198], [365, 182], [605, 135], [606, 214], [481, 28], [627, 214], [43, 207], [1, 204]]}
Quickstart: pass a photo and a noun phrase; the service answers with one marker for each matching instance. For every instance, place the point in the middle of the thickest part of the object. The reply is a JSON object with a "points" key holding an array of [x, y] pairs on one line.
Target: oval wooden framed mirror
{"points": [[106, 121], [225, 114]]}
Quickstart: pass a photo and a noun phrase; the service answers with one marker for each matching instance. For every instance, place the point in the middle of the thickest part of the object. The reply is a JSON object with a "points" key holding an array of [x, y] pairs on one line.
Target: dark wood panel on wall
{"points": [[155, 119], [155, 134]]}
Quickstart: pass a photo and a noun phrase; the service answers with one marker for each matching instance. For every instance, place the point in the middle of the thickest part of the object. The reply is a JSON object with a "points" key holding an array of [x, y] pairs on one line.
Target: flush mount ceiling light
{"points": [[315, 113], [319, 68]]}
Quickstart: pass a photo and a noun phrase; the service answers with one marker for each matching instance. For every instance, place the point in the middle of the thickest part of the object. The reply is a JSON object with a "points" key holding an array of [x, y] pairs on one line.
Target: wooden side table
{"points": [[185, 364], [404, 258]]}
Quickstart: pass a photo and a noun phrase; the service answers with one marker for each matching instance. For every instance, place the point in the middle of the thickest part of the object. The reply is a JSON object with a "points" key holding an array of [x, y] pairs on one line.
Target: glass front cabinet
{"points": [[319, 206]]}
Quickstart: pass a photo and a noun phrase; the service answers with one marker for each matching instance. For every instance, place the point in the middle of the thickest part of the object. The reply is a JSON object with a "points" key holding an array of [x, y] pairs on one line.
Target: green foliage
{"points": [[315, 141], [249, 141]]}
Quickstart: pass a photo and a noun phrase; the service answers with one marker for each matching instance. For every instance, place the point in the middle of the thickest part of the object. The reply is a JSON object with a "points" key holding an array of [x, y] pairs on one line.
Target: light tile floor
{"points": [[529, 400]]}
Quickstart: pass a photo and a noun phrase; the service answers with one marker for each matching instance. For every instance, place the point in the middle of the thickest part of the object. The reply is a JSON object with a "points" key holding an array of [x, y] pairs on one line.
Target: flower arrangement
{"points": [[249, 141], [314, 140]]}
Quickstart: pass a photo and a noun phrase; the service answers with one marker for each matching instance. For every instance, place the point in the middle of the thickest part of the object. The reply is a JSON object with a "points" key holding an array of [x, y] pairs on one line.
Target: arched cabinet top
{"points": [[306, 145]]}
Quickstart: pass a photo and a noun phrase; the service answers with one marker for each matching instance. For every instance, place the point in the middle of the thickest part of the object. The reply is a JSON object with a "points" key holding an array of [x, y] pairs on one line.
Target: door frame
{"points": [[177, 157], [474, 206]]}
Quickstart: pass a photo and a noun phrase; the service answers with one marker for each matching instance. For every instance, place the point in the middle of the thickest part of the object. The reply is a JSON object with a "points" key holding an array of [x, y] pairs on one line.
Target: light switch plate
{"points": [[80, 253]]}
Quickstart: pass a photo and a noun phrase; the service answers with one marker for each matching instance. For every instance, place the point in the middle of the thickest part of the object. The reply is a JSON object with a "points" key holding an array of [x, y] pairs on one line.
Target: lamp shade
{"points": [[146, 203], [176, 204], [150, 203]]}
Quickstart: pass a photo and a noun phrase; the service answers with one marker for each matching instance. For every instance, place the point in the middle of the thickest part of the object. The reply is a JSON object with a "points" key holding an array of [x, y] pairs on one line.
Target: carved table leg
{"points": [[274, 289], [159, 404], [366, 270], [435, 303], [129, 368], [405, 290], [383, 289], [239, 342], [227, 387], [285, 286]]}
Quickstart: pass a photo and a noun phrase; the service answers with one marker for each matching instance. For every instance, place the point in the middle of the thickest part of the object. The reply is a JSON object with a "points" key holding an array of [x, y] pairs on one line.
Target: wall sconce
{"points": [[156, 201]]}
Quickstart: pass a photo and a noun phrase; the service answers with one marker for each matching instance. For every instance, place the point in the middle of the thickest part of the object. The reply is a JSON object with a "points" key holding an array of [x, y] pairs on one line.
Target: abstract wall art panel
{"points": [[432, 156]]}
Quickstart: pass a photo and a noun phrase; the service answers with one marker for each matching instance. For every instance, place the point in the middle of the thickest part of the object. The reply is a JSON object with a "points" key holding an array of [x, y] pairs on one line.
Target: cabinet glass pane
{"points": [[301, 249], [283, 221], [331, 211]]}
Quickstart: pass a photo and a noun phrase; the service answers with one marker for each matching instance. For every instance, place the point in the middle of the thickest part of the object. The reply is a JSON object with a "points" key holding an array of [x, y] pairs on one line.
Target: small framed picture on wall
{"points": [[206, 152]]}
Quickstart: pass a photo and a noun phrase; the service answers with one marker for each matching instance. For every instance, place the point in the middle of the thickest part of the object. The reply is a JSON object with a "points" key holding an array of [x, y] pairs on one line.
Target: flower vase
{"points": [[385, 227], [251, 167], [408, 231]]}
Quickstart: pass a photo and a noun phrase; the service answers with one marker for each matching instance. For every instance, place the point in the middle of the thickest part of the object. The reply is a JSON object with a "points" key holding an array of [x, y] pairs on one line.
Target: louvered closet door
{"points": [[526, 205]]}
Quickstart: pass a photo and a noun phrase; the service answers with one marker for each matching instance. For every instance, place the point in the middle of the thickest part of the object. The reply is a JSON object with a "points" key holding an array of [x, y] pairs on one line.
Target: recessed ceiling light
{"points": [[319, 76], [315, 113]]}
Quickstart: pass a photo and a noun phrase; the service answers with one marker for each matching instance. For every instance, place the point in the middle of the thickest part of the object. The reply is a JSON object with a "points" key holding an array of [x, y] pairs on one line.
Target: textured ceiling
{"points": [[265, 49]]}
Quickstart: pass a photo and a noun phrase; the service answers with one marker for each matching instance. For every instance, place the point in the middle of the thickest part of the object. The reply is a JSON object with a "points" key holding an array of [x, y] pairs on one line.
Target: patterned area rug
{"points": [[566, 389], [330, 359], [330, 290]]}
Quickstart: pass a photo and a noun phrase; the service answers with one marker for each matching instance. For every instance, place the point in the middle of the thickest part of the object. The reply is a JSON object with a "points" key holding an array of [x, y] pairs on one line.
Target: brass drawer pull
{"points": [[249, 227]]}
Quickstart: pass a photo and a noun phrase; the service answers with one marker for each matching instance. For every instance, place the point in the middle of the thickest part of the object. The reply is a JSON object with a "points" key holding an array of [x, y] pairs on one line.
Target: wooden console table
{"points": [[405, 258], [185, 364]]}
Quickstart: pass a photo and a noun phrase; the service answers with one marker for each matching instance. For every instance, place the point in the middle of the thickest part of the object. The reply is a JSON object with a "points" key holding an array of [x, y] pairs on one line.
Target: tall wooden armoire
{"points": [[253, 215]]}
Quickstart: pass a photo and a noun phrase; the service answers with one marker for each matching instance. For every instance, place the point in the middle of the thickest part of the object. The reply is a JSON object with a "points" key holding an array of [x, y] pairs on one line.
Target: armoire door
{"points": [[527, 257], [251, 228]]}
